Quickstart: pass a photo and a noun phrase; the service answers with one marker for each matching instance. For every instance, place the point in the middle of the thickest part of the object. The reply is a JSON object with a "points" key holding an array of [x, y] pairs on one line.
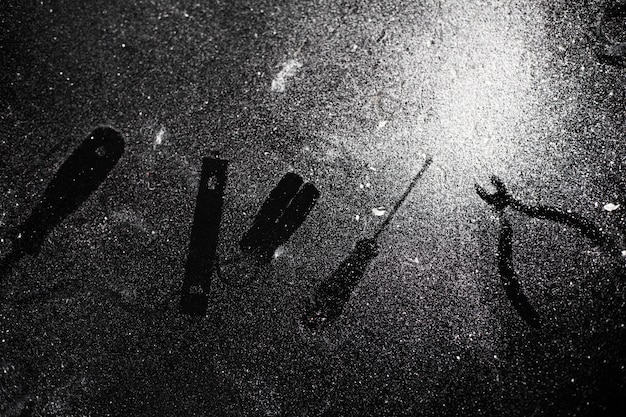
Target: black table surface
{"points": [[353, 96]]}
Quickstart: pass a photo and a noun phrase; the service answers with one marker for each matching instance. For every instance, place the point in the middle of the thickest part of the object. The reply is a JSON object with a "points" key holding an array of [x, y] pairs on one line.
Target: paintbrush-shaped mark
{"points": [[77, 178]]}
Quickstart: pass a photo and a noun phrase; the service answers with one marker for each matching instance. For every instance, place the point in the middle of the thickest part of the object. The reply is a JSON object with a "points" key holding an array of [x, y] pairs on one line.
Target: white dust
{"points": [[289, 70]]}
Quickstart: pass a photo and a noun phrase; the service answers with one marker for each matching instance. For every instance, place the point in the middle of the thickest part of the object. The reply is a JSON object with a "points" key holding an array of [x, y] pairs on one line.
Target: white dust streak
{"points": [[289, 70]]}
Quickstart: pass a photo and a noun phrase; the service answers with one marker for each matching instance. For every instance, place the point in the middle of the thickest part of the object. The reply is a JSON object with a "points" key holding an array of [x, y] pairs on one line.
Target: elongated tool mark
{"points": [[77, 178], [207, 217], [333, 293], [282, 213], [508, 276]]}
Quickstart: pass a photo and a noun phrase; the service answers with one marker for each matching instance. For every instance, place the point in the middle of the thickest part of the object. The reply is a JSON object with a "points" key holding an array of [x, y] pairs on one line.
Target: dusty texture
{"points": [[352, 96]]}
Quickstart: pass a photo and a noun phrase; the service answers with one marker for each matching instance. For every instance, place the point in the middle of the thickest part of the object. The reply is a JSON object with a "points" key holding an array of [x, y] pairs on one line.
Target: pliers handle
{"points": [[498, 200]]}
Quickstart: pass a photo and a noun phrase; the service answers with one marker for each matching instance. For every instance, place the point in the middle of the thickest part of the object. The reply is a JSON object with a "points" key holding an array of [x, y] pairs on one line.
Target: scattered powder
{"points": [[290, 68], [158, 140], [611, 207], [471, 100], [379, 211]]}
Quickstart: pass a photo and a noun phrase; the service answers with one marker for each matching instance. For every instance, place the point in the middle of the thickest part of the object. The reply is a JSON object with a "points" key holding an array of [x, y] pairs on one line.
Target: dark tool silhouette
{"points": [[509, 277], [282, 213], [333, 292], [609, 50], [201, 259], [500, 200], [78, 177], [270, 211]]}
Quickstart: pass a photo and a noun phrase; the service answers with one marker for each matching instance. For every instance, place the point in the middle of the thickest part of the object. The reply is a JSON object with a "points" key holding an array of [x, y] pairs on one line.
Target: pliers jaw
{"points": [[498, 200]]}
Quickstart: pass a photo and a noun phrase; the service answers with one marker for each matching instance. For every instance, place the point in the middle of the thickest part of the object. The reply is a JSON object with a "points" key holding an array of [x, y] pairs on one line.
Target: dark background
{"points": [[511, 88]]}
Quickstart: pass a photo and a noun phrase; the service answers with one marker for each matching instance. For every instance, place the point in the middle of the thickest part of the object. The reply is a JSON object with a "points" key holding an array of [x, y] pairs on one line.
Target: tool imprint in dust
{"points": [[77, 178], [330, 297]]}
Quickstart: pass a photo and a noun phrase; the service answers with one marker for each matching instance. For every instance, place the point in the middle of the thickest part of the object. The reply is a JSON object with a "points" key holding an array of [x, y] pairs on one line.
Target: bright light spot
{"points": [[482, 97], [467, 94]]}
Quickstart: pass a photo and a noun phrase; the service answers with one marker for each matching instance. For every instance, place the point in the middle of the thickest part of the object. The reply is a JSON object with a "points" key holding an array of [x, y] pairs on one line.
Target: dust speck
{"points": [[158, 139], [290, 68], [280, 251], [379, 211]]}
